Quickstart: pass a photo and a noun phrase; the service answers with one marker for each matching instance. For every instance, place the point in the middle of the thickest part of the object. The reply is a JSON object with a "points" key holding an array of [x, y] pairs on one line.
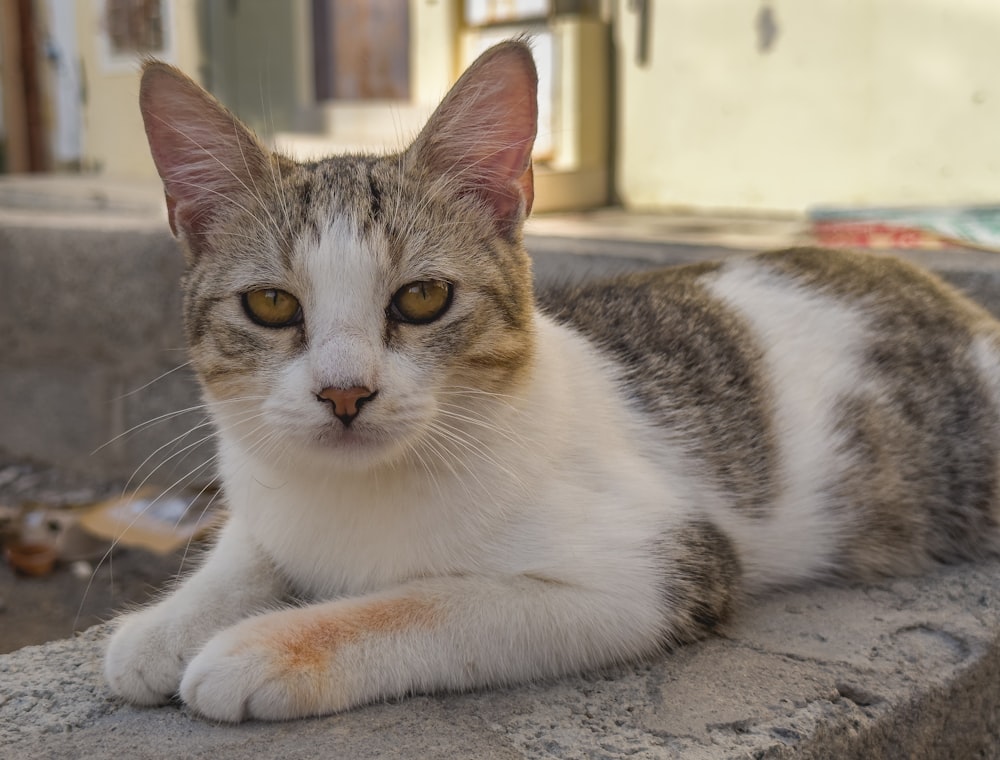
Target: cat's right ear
{"points": [[206, 158], [479, 139]]}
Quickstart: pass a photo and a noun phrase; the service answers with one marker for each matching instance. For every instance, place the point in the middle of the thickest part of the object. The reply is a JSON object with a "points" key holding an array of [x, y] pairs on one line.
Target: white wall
{"points": [[66, 85], [855, 101]]}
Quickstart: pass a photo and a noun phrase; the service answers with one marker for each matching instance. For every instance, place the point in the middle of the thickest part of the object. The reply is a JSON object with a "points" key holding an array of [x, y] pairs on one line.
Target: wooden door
{"points": [[362, 49]]}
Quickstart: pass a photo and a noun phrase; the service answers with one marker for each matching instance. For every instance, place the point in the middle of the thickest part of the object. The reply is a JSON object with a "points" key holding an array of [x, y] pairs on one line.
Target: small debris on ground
{"points": [[89, 581]]}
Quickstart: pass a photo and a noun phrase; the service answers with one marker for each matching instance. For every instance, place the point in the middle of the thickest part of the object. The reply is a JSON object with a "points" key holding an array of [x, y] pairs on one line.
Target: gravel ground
{"points": [[76, 595]]}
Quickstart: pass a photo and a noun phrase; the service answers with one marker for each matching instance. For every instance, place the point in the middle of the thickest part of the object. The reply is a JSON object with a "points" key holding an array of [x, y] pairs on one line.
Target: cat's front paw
{"points": [[263, 668], [144, 659]]}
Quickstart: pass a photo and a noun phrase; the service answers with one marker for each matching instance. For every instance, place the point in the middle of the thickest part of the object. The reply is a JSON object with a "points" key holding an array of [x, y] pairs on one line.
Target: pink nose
{"points": [[346, 402]]}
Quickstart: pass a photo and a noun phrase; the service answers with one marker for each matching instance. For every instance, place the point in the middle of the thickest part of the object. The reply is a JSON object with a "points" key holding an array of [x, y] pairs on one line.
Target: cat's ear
{"points": [[480, 137], [206, 158]]}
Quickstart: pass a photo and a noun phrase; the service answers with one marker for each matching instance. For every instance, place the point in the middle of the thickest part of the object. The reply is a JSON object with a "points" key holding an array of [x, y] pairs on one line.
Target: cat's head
{"points": [[355, 307]]}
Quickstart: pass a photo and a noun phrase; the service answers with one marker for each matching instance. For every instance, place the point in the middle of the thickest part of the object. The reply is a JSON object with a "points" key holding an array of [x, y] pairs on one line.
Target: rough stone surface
{"points": [[906, 668]]}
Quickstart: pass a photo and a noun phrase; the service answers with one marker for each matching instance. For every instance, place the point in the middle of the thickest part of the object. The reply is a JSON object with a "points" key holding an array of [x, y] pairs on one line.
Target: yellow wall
{"points": [[856, 101], [389, 125], [114, 142]]}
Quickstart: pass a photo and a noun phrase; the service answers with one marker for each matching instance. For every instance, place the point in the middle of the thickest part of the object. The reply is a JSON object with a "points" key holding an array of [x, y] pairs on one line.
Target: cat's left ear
{"points": [[480, 137]]}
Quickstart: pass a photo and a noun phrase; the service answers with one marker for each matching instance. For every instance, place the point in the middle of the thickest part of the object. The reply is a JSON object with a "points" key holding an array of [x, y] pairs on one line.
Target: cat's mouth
{"points": [[338, 436], [356, 446]]}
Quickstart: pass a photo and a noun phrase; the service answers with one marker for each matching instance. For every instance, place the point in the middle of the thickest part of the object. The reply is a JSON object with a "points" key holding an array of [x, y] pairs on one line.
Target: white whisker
{"points": [[155, 380]]}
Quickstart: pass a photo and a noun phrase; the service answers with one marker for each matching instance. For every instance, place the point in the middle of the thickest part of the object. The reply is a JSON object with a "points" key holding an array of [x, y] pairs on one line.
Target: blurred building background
{"points": [[761, 105]]}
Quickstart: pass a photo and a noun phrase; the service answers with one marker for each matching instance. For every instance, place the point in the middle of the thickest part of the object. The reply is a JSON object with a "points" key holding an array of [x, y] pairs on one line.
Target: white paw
{"points": [[145, 658], [256, 670]]}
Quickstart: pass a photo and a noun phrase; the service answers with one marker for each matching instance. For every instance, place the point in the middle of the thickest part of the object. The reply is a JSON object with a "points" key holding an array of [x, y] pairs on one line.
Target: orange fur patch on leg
{"points": [[315, 636]]}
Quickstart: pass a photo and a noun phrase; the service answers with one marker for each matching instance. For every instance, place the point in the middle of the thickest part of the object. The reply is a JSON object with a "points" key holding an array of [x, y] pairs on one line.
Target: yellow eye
{"points": [[271, 307], [421, 302]]}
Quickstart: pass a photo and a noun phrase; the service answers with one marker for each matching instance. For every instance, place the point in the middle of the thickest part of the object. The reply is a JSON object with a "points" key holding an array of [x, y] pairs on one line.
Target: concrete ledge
{"points": [[905, 669], [91, 312]]}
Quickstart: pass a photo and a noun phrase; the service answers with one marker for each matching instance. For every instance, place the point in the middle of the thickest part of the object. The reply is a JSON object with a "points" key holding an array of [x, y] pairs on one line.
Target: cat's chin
{"points": [[353, 450]]}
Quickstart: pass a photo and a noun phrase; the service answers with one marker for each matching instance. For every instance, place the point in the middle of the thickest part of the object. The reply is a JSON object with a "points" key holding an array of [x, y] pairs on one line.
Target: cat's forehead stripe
{"points": [[376, 195], [342, 270], [365, 189]]}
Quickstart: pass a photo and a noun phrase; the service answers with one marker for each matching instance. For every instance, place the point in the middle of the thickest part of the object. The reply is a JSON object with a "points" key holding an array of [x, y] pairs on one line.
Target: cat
{"points": [[438, 480]]}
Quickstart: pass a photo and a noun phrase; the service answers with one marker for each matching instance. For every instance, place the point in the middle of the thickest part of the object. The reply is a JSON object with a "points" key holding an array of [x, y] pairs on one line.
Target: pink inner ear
{"points": [[205, 157], [482, 133], [505, 198]]}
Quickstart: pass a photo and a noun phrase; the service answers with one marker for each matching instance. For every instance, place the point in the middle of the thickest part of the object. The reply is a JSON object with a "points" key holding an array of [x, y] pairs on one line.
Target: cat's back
{"points": [[839, 393], [692, 296]]}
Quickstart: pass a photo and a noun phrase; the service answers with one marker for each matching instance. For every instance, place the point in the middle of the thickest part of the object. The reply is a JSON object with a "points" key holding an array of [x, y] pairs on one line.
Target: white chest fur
{"points": [[572, 480]]}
